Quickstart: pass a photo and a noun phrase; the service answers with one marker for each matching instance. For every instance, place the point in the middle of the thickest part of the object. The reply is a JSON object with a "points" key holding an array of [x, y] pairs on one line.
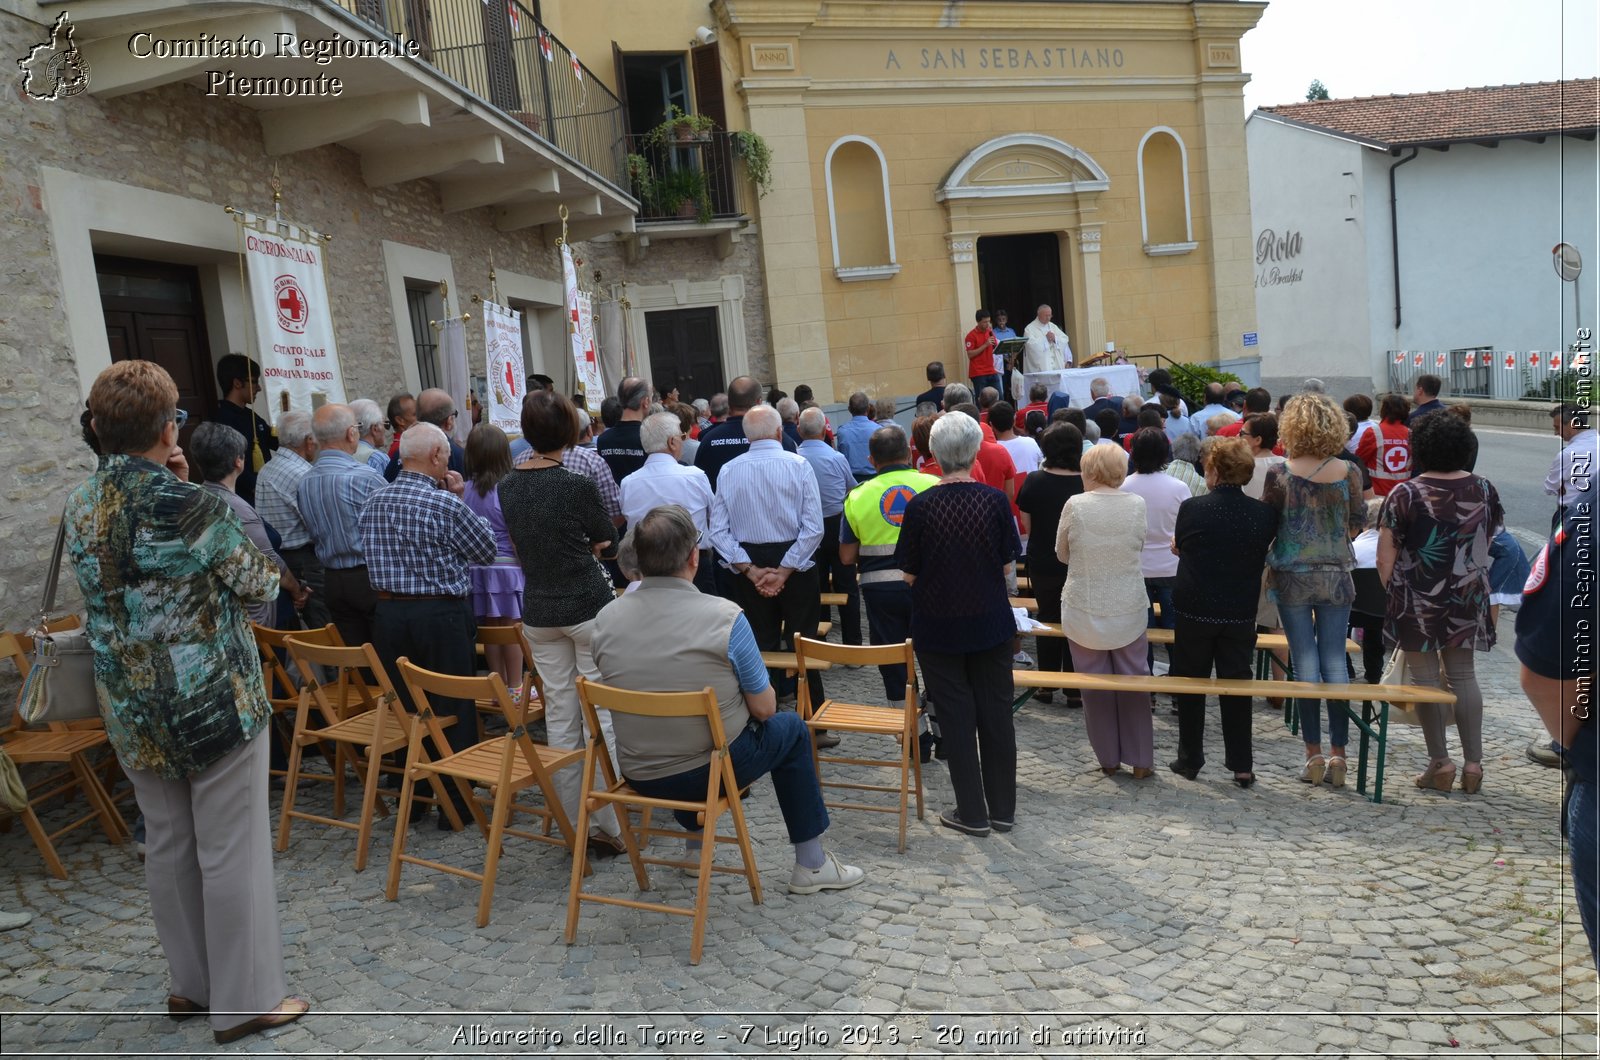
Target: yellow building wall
{"points": [[882, 333]]}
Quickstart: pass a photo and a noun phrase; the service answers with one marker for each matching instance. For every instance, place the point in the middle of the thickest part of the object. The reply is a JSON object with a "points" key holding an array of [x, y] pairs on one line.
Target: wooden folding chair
{"points": [[61, 744], [899, 722], [722, 796], [283, 691], [363, 722], [507, 764], [531, 691]]}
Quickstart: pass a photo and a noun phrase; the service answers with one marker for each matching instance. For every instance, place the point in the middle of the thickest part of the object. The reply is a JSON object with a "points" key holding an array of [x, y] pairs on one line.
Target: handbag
{"points": [[13, 794], [1396, 672], [60, 684]]}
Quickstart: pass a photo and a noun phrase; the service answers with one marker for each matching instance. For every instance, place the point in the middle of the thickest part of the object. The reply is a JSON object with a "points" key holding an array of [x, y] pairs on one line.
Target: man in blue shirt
{"points": [[331, 496], [1216, 404], [834, 482], [936, 383], [1426, 397], [855, 437]]}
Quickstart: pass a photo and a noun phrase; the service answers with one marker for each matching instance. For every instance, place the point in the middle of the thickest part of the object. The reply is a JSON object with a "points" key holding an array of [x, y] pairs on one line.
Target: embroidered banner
{"points": [[580, 333], [508, 381], [293, 317]]}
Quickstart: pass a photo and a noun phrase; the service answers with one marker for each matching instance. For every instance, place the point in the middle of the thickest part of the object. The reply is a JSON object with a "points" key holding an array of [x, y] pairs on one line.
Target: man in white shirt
{"points": [[1048, 349], [1575, 465], [1214, 406], [663, 480], [1025, 452], [278, 503], [766, 524]]}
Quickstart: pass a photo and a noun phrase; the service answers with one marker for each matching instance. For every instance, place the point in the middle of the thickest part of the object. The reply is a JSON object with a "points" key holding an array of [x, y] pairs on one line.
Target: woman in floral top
{"points": [[166, 572], [1320, 508], [1433, 553]]}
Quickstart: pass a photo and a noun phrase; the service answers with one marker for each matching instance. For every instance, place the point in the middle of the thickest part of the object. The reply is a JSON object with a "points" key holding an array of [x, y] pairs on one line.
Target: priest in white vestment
{"points": [[1048, 349]]}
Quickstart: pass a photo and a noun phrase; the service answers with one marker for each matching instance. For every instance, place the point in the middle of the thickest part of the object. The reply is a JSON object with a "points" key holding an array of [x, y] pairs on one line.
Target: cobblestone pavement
{"points": [[1157, 916]]}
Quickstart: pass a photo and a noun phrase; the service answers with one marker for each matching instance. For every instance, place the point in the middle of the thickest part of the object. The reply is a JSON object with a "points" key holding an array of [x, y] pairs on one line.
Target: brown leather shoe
{"points": [[602, 845], [288, 1010]]}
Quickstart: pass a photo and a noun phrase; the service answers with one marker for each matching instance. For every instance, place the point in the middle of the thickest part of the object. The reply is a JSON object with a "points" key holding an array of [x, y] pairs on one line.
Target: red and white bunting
{"points": [[1580, 358], [1533, 358], [577, 68], [1399, 356], [546, 49], [1511, 362], [1439, 359], [1469, 359], [514, 15], [1555, 360]]}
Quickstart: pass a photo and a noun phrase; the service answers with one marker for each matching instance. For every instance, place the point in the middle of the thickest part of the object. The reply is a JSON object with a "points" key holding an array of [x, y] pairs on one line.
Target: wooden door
{"points": [[153, 312], [685, 351]]}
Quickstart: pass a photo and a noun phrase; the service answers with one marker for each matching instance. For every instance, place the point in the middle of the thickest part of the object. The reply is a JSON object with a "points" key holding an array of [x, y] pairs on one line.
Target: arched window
{"points": [[859, 217], [1164, 193]]}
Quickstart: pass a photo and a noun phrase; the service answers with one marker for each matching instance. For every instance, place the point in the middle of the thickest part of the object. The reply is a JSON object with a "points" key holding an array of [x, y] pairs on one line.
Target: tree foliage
{"points": [[1317, 91]]}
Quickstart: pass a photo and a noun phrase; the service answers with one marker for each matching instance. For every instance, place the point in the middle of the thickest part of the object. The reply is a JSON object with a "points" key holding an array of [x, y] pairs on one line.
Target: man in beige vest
{"points": [[667, 636]]}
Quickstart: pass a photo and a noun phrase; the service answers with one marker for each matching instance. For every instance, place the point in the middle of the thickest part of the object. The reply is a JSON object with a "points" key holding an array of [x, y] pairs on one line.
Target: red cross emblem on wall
{"points": [[293, 309]]}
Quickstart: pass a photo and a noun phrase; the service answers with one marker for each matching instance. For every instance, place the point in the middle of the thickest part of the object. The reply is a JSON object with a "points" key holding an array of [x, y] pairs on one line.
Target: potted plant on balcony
{"points": [[680, 128], [757, 157], [683, 191]]}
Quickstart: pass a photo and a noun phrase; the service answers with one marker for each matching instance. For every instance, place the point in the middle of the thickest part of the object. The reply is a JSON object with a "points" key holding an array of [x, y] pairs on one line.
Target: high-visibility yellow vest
{"points": [[875, 511]]}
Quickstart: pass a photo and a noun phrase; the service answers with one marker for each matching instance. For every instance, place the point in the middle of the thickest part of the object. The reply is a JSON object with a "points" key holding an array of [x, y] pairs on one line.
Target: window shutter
{"points": [[706, 63]]}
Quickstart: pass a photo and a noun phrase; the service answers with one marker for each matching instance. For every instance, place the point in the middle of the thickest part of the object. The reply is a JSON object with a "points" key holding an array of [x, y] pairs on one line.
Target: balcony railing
{"points": [[498, 51], [1501, 375], [686, 180]]}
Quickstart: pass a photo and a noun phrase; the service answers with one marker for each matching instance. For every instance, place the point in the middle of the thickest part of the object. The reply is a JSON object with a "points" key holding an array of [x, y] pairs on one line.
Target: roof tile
{"points": [[1495, 112]]}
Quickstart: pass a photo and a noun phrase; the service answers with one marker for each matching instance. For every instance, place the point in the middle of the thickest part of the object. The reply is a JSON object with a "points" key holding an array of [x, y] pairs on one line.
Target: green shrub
{"points": [[1565, 385], [1191, 380]]}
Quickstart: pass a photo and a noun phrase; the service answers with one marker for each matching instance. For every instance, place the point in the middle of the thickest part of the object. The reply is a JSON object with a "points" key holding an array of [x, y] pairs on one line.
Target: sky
{"points": [[1379, 47]]}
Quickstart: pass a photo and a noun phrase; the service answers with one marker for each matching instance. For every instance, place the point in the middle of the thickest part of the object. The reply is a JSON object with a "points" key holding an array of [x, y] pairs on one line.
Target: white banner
{"points": [[453, 367], [508, 381], [580, 332], [293, 317]]}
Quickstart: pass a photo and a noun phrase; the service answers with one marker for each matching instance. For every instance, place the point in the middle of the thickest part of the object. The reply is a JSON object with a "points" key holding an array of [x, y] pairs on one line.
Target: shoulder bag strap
{"points": [[54, 576]]}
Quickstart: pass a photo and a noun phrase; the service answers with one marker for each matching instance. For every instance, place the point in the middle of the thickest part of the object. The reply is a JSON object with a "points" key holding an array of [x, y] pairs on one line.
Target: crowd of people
{"points": [[725, 521]]}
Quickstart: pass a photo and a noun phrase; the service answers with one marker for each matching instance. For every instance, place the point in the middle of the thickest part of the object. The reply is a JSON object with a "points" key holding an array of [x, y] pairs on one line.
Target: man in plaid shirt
{"points": [[420, 538]]}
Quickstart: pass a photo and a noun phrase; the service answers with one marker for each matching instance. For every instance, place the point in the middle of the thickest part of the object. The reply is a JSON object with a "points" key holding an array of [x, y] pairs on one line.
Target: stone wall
{"points": [[174, 141]]}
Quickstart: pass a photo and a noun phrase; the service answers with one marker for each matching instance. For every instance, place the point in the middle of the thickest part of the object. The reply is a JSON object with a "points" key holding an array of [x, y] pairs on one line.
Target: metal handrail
{"points": [[498, 51], [696, 178]]}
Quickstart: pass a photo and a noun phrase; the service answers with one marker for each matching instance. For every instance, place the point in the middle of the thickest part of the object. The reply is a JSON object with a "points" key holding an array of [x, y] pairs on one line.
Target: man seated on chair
{"points": [[669, 637]]}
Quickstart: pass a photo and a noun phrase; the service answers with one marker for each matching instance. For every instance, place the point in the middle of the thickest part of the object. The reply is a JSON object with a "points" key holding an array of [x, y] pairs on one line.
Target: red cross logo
{"points": [[293, 310]]}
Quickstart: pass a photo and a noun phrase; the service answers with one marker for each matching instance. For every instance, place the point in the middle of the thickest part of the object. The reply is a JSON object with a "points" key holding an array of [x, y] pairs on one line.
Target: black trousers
{"points": [[835, 576], [974, 692], [1372, 653], [304, 565], [889, 622], [777, 620], [351, 603], [437, 635], [1196, 647], [1047, 582]]}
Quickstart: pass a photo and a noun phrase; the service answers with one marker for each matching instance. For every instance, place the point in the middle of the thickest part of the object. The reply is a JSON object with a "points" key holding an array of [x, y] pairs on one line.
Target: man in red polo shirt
{"points": [[980, 343]]}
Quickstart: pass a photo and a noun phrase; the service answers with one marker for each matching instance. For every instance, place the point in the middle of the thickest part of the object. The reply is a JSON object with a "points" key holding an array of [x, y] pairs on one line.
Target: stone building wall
{"points": [[174, 141]]}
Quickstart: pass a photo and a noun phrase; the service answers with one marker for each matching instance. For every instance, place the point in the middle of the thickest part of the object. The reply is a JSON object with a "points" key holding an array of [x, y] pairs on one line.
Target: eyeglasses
{"points": [[180, 417]]}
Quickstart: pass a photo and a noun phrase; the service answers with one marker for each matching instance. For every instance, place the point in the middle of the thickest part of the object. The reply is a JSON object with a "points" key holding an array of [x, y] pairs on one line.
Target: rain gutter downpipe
{"points": [[1394, 232]]}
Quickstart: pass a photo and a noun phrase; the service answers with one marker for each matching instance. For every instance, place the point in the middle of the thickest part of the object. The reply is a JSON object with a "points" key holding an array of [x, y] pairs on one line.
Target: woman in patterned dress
{"points": [[1433, 554]]}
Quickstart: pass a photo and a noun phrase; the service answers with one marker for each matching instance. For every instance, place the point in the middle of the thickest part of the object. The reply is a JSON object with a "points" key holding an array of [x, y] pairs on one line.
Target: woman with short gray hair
{"points": [[219, 453], [956, 541], [1185, 465]]}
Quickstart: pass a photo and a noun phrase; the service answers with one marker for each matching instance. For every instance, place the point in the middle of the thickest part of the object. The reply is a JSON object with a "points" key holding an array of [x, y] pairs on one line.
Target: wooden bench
{"points": [[1028, 681], [835, 600], [1265, 642]]}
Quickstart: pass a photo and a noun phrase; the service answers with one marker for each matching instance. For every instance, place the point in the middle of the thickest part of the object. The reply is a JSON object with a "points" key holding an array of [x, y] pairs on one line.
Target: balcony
{"points": [[493, 109], [499, 52], [688, 188]]}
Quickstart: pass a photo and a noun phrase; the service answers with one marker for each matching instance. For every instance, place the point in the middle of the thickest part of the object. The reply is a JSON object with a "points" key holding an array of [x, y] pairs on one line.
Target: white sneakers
{"points": [[1022, 659], [834, 875]]}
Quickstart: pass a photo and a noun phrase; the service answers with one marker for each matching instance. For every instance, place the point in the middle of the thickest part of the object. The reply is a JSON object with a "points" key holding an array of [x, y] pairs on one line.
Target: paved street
{"points": [[1161, 916], [1517, 462]]}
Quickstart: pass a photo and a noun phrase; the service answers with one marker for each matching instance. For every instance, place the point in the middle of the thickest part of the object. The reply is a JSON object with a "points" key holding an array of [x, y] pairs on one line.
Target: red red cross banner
{"points": [[508, 384], [580, 333], [293, 317]]}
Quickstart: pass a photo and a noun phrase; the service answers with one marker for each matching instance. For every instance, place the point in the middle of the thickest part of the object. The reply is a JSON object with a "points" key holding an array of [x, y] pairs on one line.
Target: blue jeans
{"points": [[1316, 635], [1584, 846], [781, 745], [980, 381], [889, 622], [1158, 591]]}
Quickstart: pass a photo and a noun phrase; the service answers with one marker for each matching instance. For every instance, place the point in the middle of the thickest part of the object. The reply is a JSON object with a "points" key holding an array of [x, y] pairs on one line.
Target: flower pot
{"points": [[684, 133], [688, 209]]}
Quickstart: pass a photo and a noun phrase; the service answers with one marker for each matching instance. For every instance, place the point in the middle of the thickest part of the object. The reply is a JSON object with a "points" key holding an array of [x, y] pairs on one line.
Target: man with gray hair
{"points": [[278, 502], [766, 524], [834, 481], [1101, 398], [420, 537], [957, 394], [663, 480], [789, 411], [664, 637], [437, 407], [619, 445], [372, 441], [330, 497]]}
